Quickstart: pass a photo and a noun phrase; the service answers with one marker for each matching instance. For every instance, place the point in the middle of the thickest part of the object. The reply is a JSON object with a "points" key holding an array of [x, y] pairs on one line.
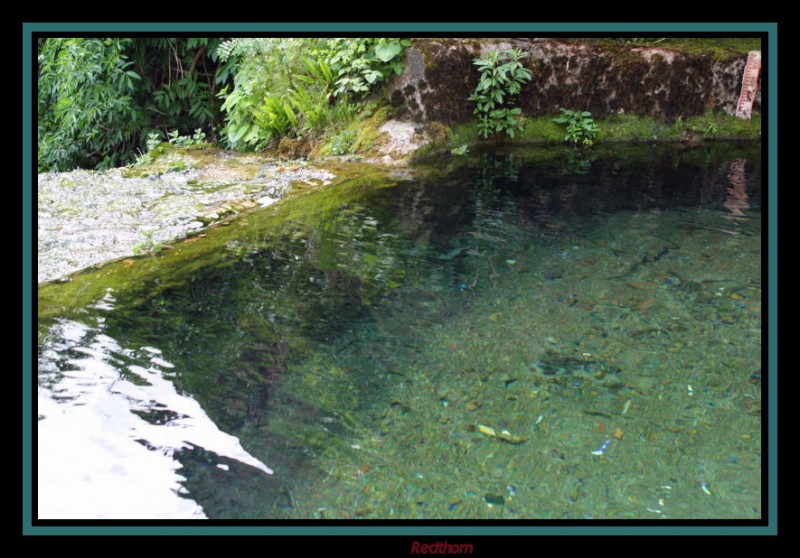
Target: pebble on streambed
{"points": [[494, 499], [503, 435]]}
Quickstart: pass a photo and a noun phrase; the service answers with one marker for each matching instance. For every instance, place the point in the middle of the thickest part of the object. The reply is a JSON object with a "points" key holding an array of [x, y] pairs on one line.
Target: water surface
{"points": [[541, 334]]}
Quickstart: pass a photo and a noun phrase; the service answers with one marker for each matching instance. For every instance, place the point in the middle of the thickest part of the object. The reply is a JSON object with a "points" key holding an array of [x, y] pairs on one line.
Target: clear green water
{"points": [[522, 335]]}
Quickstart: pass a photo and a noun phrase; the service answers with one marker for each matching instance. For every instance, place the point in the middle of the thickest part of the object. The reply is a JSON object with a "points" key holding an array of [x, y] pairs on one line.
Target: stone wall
{"points": [[440, 76]]}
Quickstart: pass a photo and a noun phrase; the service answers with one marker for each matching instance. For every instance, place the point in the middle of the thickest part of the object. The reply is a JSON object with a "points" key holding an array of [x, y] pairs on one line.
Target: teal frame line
{"points": [[472, 532]]}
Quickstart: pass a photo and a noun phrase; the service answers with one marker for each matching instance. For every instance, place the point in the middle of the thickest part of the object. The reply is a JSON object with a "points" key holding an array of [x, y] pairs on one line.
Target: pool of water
{"points": [[528, 334]]}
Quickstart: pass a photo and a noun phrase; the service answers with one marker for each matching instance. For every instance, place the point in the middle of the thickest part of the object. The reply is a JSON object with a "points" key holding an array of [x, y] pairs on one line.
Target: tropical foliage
{"points": [[87, 112], [298, 87], [99, 99]]}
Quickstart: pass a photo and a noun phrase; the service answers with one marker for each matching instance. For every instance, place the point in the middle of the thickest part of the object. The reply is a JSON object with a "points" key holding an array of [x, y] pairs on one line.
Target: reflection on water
{"points": [[523, 336], [111, 431]]}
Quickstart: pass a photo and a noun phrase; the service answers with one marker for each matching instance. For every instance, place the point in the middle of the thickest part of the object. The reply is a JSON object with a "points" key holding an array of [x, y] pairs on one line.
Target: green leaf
{"points": [[326, 71], [235, 132], [372, 76], [386, 51], [290, 113]]}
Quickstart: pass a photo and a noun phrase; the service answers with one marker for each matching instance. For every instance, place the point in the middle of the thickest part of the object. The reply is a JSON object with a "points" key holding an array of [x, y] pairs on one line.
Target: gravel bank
{"points": [[88, 217]]}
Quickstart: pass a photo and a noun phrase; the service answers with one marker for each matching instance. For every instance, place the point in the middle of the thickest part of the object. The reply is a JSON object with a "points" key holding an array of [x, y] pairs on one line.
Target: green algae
{"points": [[615, 129], [148, 275]]}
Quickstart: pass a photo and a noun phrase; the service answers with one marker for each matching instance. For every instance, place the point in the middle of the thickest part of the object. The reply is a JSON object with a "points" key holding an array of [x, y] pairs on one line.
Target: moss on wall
{"points": [[602, 76]]}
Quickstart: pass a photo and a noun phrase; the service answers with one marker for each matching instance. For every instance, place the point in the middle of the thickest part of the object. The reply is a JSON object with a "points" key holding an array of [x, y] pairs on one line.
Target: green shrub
{"points": [[294, 87], [86, 111], [501, 79], [257, 66], [361, 63], [99, 98], [181, 79]]}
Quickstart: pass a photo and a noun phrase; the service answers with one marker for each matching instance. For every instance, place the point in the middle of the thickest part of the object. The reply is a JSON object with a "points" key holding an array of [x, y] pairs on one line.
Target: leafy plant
{"points": [[153, 141], [181, 80], [461, 150], [87, 114], [99, 97], [281, 87], [312, 109], [176, 139], [581, 128], [317, 71], [146, 158], [501, 78], [148, 245], [199, 136], [299, 87], [343, 143], [275, 116], [361, 63], [257, 65]]}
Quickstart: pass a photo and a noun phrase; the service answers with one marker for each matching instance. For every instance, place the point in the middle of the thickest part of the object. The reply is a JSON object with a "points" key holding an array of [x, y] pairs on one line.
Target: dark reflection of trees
{"points": [[580, 182]]}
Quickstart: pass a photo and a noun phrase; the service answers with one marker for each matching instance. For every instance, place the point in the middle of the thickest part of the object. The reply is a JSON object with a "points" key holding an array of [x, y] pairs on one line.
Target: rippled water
{"points": [[531, 334]]}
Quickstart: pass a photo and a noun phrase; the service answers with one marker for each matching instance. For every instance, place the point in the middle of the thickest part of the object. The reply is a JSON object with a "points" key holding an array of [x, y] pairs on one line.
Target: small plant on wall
{"points": [[581, 128], [501, 78]]}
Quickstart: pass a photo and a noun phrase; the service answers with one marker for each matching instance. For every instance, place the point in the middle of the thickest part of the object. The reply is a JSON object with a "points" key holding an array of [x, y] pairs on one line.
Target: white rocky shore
{"points": [[88, 217]]}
